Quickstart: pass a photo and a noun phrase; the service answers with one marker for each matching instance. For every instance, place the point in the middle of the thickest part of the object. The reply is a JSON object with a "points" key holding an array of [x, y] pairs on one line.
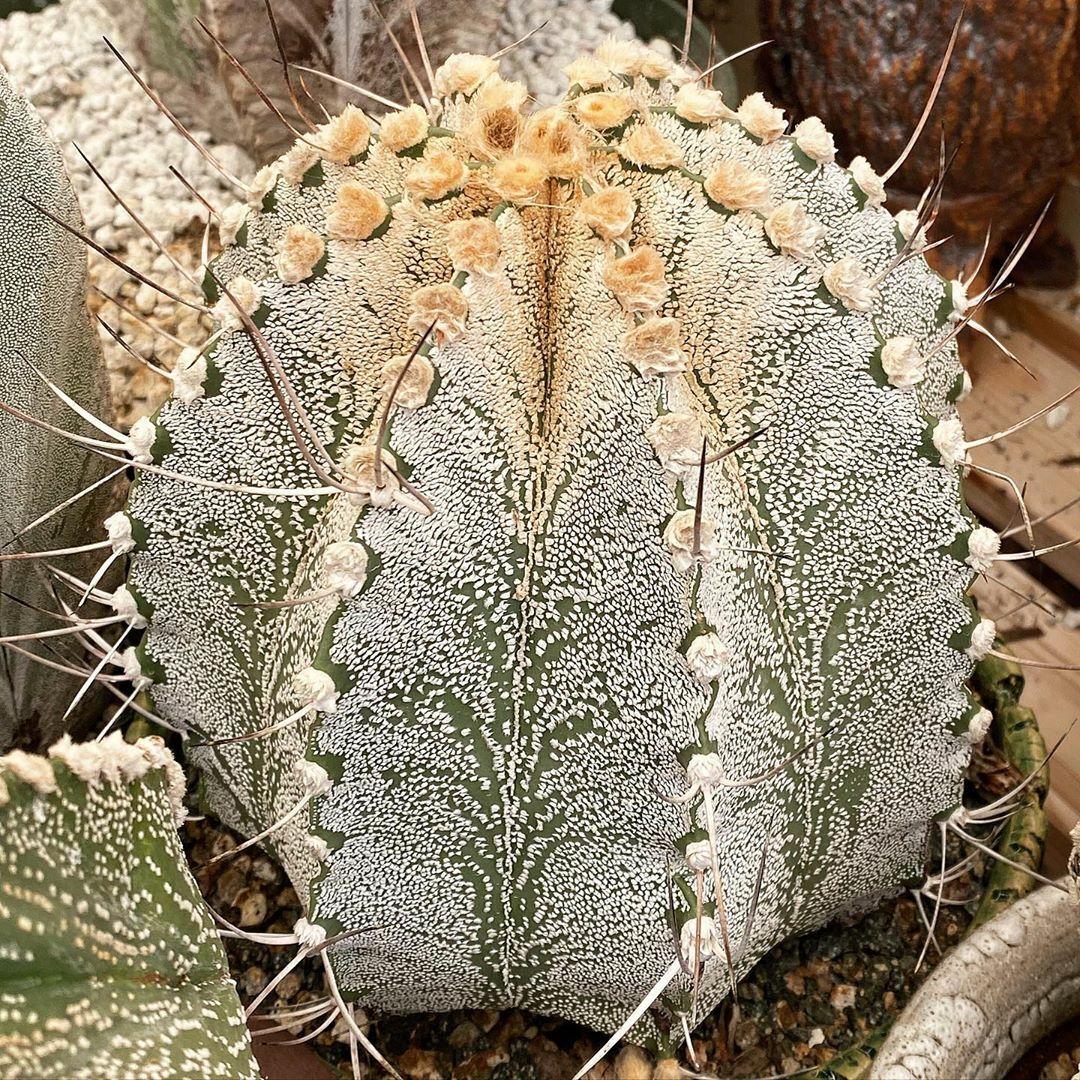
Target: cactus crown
{"points": [[572, 587]]}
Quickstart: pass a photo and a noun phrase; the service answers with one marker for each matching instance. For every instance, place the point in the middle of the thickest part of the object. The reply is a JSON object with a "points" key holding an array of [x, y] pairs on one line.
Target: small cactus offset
{"points": [[557, 556], [110, 965]]}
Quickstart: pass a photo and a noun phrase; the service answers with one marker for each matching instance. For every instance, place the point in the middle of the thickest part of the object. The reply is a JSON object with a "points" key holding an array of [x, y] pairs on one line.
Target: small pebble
{"points": [[1057, 416]]}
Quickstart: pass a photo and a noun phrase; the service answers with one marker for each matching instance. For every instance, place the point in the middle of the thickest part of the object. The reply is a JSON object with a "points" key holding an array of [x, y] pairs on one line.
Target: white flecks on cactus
{"points": [[57, 58], [96, 886], [140, 440], [699, 105], [948, 439], [980, 726], [690, 541], [316, 690], [982, 639], [707, 656], [871, 185], [118, 530], [984, 546], [241, 294], [815, 140], [345, 564], [902, 361], [655, 346], [849, 282], [737, 186], [793, 230], [189, 375], [761, 118]]}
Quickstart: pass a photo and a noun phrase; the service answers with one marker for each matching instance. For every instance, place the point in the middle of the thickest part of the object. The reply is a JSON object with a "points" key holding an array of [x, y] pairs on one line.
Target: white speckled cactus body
{"points": [[541, 689], [110, 964], [44, 334]]}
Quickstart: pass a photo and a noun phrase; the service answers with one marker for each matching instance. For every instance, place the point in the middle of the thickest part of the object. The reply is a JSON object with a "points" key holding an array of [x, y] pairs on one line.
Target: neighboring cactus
{"points": [[110, 965], [43, 324], [349, 41], [539, 693]]}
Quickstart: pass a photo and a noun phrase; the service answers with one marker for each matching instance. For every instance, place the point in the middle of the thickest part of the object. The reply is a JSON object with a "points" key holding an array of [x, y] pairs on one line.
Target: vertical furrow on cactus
{"points": [[596, 839], [435, 691]]}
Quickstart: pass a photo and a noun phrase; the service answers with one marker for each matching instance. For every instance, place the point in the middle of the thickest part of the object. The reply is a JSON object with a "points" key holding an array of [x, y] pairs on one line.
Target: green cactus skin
{"points": [[110, 965], [485, 717], [43, 320]]}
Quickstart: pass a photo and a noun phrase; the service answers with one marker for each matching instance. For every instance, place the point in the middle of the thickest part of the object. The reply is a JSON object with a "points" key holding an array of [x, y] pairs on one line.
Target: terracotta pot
{"points": [[1010, 104]]}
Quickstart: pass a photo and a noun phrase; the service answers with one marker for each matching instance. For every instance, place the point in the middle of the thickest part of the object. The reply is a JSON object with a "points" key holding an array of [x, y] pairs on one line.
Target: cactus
{"points": [[347, 41], [557, 556], [110, 965], [43, 325]]}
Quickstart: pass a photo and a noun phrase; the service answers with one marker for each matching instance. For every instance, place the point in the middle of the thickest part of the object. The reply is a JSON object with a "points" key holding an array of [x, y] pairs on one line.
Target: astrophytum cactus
{"points": [[44, 333], [557, 556], [110, 965]]}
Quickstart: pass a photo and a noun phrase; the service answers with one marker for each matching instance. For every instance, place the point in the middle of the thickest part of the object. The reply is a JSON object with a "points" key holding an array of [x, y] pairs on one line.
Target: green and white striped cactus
{"points": [[44, 326], [557, 556], [110, 965]]}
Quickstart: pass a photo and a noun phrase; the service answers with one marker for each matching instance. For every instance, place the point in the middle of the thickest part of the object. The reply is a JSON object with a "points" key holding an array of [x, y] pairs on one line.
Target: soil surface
{"points": [[809, 999]]}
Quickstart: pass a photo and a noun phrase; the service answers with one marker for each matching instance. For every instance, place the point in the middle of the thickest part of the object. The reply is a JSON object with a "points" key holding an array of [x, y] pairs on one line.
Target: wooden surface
{"points": [[1044, 460]]}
